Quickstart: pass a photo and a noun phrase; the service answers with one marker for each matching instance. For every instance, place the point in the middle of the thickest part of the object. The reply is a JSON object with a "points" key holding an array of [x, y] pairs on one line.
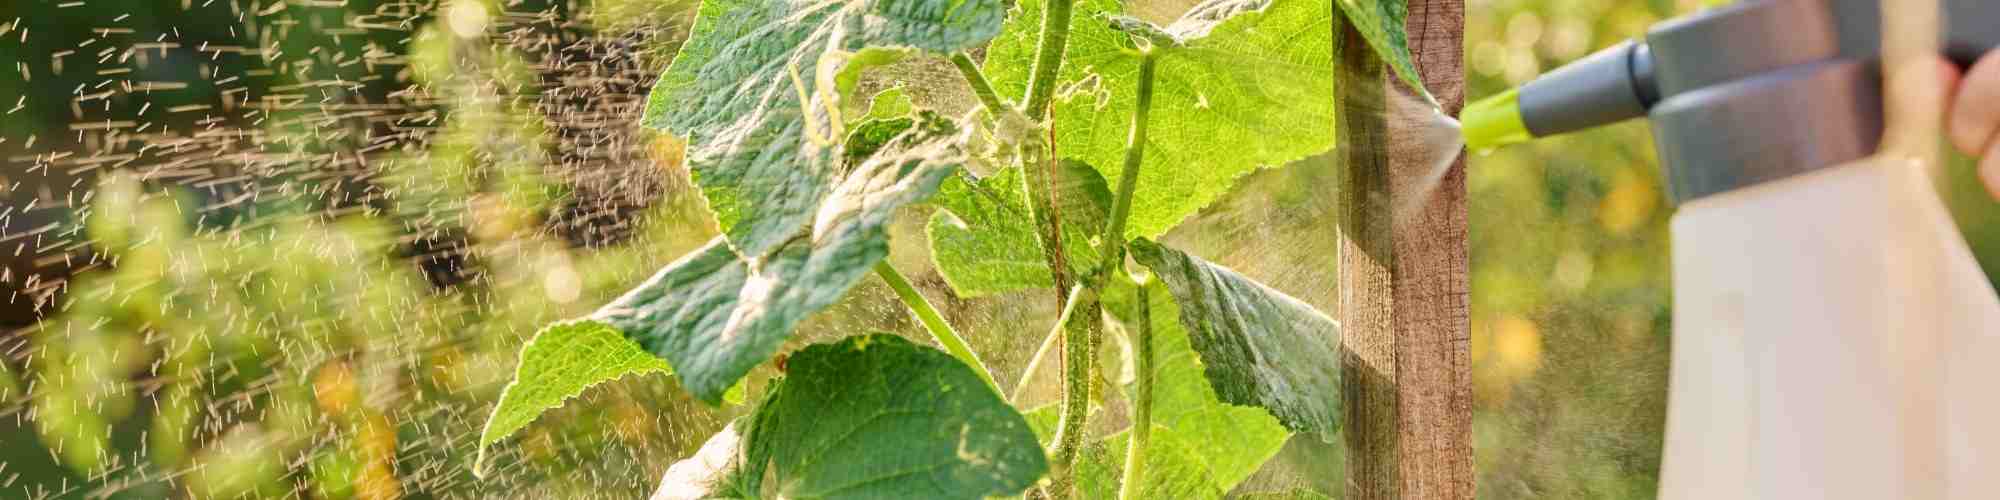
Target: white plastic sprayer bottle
{"points": [[1833, 336]]}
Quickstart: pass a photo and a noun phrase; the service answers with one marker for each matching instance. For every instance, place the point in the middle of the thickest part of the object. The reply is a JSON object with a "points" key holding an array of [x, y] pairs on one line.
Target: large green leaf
{"points": [[754, 92], [559, 363], [984, 242], [715, 314], [1259, 347], [1200, 446], [873, 416], [1173, 467], [1251, 86]]}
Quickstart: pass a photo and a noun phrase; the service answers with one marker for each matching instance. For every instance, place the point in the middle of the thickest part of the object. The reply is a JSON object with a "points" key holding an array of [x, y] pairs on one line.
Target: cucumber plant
{"points": [[803, 176]]}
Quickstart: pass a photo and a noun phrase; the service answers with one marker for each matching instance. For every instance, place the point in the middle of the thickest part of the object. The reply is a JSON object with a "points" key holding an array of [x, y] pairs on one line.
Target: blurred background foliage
{"points": [[289, 249]]}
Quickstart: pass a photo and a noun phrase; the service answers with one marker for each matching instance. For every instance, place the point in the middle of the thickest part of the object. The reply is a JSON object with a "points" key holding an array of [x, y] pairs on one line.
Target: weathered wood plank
{"points": [[1404, 290]]}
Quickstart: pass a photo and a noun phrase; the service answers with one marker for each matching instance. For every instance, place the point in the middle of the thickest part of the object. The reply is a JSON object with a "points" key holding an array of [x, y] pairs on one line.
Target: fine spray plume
{"points": [[1442, 139]]}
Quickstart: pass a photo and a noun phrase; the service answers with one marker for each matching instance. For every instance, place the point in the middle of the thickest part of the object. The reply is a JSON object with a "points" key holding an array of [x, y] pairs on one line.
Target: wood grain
{"points": [[1404, 290]]}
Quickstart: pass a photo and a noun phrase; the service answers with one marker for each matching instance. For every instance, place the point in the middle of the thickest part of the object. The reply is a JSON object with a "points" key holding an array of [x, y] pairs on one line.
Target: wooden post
{"points": [[1404, 292]]}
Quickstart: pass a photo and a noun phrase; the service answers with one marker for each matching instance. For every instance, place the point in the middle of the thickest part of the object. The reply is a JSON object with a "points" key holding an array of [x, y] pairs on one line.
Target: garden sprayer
{"points": [[1833, 334]]}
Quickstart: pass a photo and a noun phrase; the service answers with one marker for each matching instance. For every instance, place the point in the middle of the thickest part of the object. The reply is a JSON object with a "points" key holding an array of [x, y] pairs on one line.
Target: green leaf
{"points": [[1260, 347], [1381, 22], [847, 74], [889, 114], [1173, 467], [755, 90], [870, 135], [715, 314], [984, 242], [1043, 420], [891, 103], [558, 364], [877, 416], [1200, 446], [1251, 86]]}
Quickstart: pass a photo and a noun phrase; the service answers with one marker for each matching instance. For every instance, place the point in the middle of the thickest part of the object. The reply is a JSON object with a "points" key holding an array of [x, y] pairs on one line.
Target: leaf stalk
{"points": [[1130, 488], [1114, 235], [935, 323], [1128, 177], [981, 86]]}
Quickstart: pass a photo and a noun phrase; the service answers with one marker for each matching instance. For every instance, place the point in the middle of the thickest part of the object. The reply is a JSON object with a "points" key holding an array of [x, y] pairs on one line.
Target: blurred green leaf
{"points": [[891, 103], [10, 385], [113, 205], [558, 364]]}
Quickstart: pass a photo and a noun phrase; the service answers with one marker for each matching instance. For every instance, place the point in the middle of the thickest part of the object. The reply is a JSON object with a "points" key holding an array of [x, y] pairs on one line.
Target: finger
{"points": [[1989, 170], [1948, 75], [1975, 111]]}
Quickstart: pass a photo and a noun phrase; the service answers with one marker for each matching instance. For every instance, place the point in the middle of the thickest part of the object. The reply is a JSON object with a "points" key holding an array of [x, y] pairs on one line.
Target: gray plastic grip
{"points": [[1768, 127], [1724, 44], [1598, 90], [1972, 28]]}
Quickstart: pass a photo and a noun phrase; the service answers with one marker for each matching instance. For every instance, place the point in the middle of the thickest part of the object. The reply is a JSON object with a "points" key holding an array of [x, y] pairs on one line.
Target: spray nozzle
{"points": [[1613, 85]]}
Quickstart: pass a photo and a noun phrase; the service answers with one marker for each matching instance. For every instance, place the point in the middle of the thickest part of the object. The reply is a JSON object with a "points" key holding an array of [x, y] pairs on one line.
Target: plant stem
{"points": [[1078, 324], [1114, 235], [980, 85], [1048, 56], [1039, 159], [1142, 400], [1079, 320], [934, 322], [1128, 178], [1038, 186]]}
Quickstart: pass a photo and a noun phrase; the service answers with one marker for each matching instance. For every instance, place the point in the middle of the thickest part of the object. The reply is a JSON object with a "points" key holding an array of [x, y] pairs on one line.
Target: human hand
{"points": [[1973, 116]]}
